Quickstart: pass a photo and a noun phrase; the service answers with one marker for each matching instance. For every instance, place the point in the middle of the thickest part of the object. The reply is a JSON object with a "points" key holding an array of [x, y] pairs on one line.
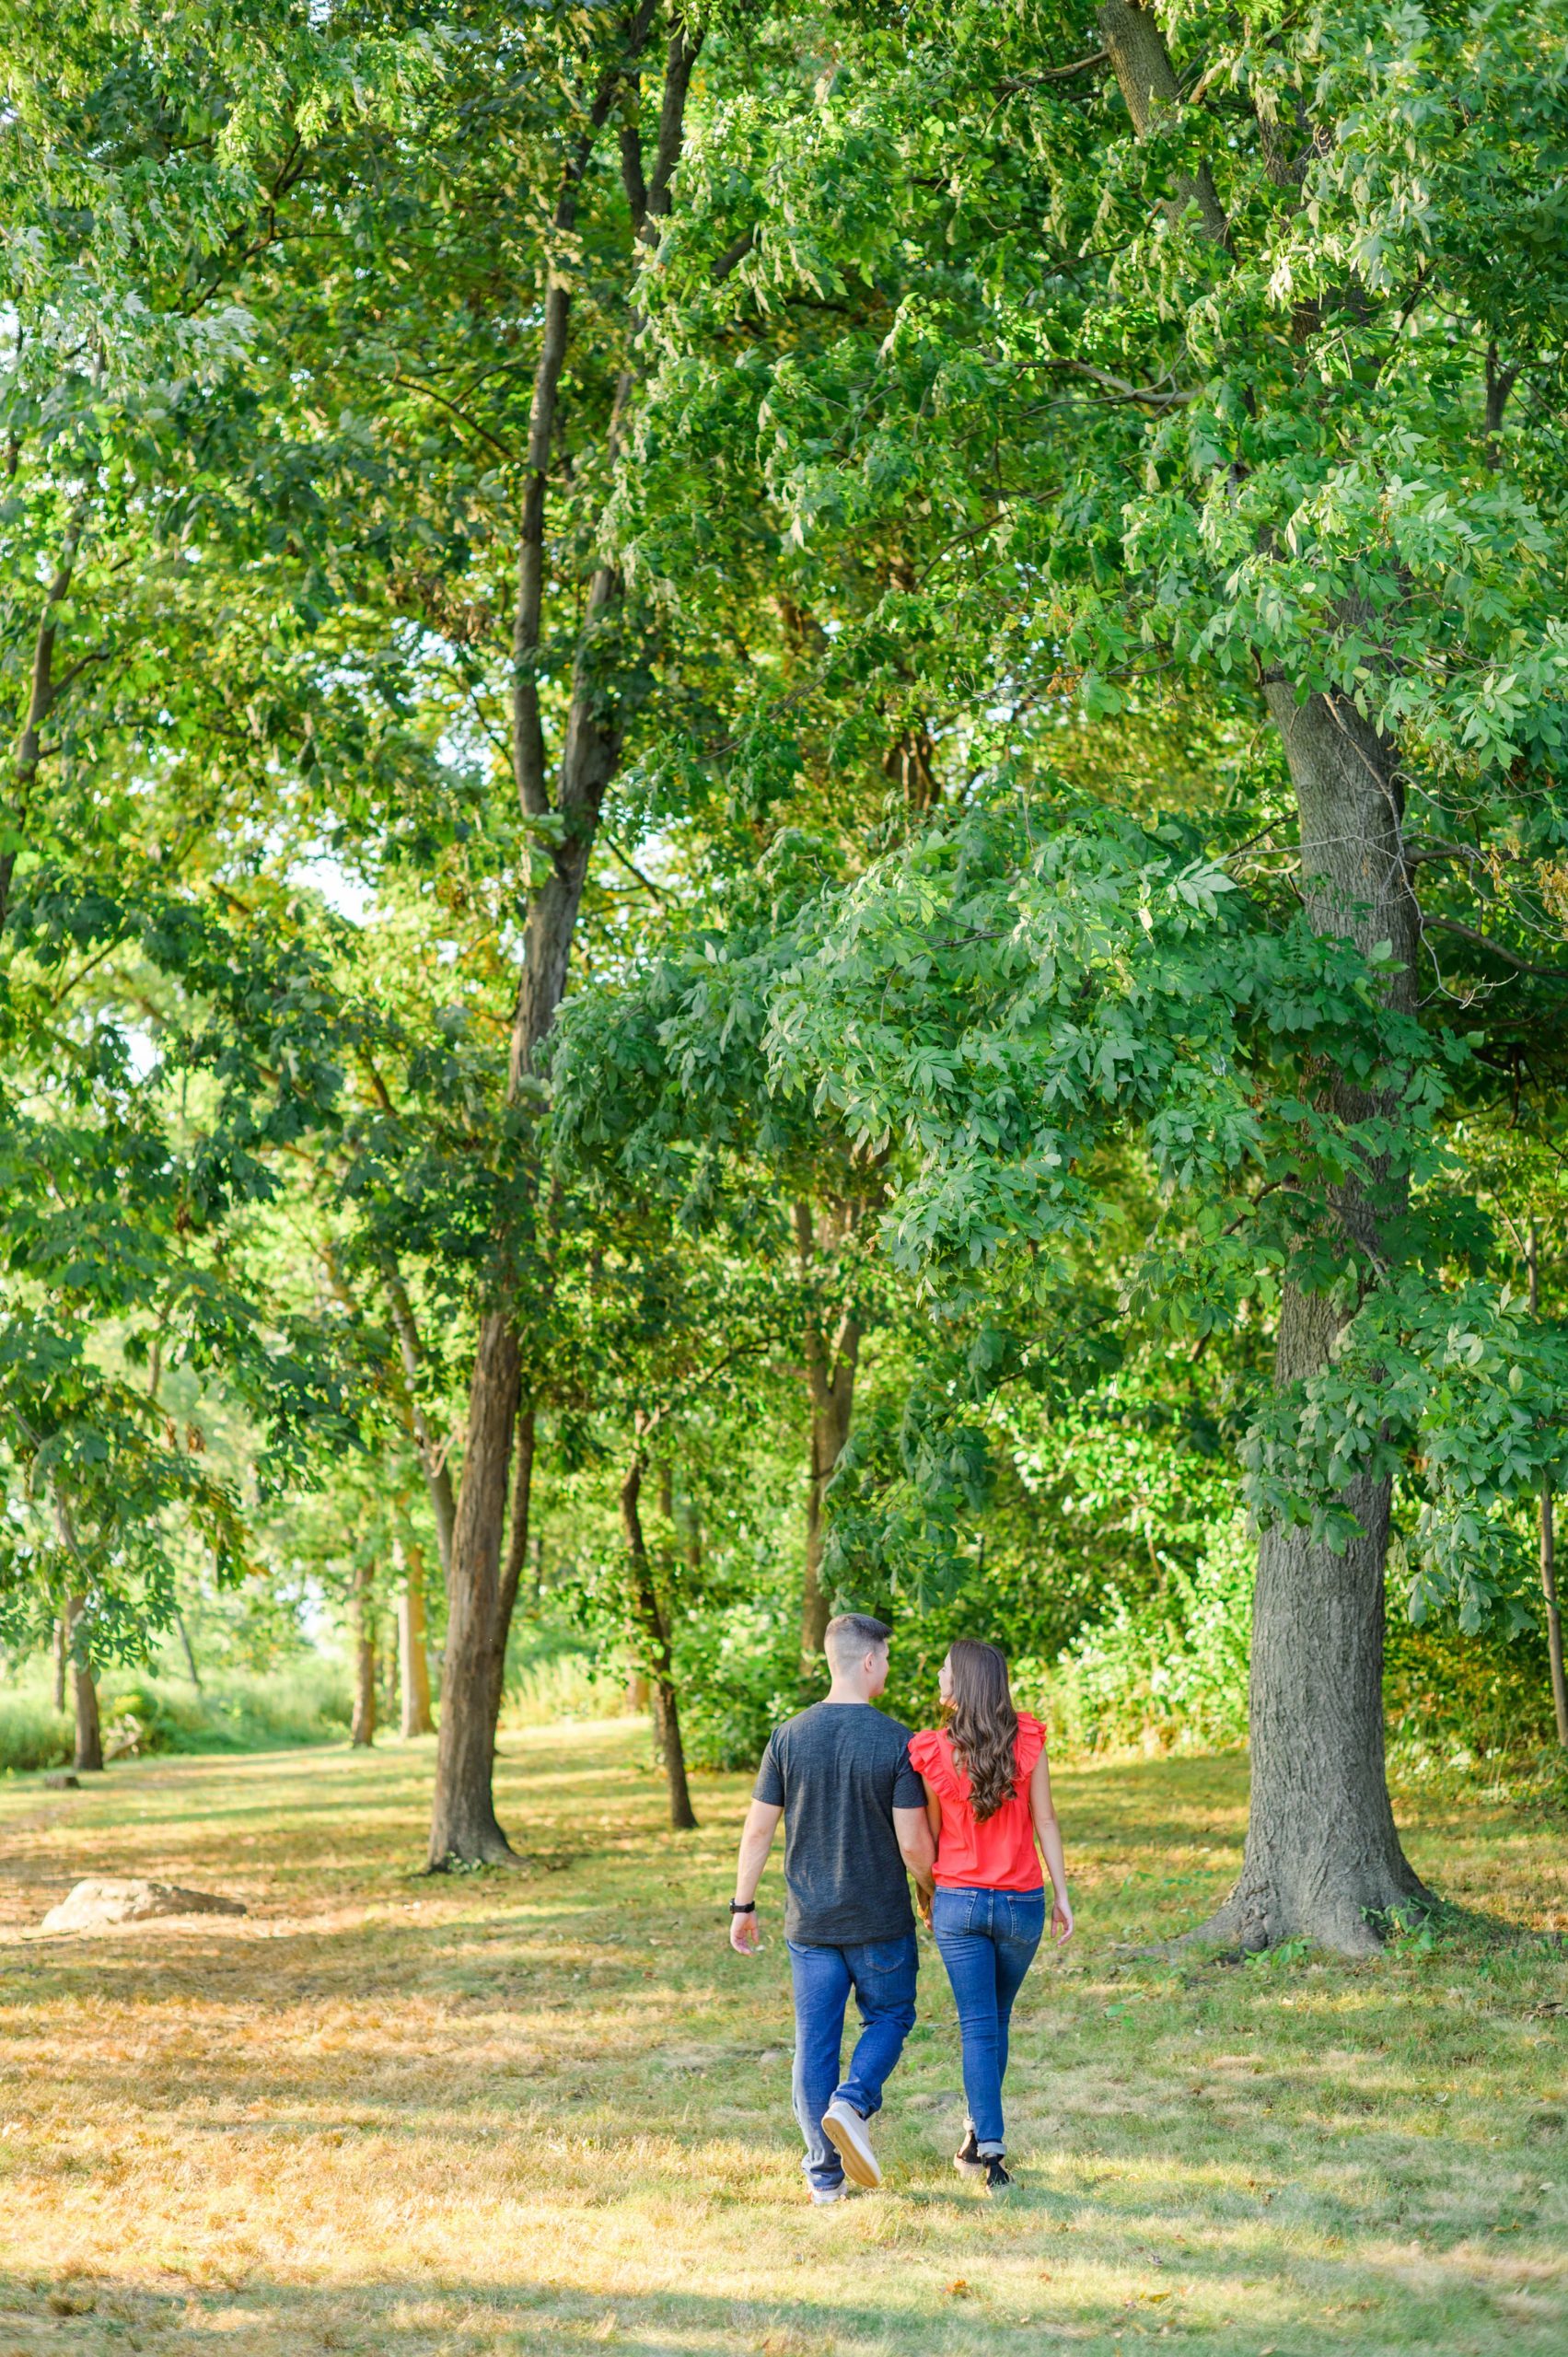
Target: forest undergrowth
{"points": [[513, 2111]]}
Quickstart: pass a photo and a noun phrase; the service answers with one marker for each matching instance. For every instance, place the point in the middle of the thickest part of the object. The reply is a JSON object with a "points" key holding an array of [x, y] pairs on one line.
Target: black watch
{"points": [[743, 1906]]}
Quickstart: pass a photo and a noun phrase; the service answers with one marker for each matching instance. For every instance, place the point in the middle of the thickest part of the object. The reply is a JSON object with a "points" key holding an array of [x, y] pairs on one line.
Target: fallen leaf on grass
{"points": [[958, 2288]]}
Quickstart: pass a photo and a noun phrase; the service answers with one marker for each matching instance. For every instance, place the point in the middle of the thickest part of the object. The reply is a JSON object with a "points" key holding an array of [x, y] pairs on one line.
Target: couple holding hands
{"points": [[866, 1805]]}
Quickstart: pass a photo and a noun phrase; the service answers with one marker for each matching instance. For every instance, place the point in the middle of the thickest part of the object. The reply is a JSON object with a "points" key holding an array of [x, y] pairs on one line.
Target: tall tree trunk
{"points": [[413, 1664], [361, 1731], [832, 1363], [433, 1462], [90, 1734], [188, 1649], [463, 1822], [1549, 1540], [1554, 1616], [1323, 1857], [61, 1655], [651, 1641], [517, 1555]]}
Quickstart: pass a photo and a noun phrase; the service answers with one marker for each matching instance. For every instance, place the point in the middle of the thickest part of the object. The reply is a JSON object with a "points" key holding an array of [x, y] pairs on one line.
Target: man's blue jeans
{"points": [[882, 1975], [987, 1940]]}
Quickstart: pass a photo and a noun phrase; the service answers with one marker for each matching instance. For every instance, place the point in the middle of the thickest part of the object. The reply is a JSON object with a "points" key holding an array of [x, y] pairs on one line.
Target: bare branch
{"points": [[1482, 940], [732, 256]]}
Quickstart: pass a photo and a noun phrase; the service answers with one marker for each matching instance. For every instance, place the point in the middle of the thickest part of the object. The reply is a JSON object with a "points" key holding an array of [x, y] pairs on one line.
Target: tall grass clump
{"points": [[566, 1686], [307, 1701]]}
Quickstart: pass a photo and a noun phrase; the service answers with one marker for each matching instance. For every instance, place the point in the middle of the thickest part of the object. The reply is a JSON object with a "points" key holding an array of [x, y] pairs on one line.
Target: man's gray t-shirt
{"points": [[838, 1772]]}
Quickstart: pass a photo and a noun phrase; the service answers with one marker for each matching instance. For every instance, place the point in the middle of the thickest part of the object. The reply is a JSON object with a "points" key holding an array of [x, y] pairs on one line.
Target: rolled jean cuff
{"points": [[853, 2091]]}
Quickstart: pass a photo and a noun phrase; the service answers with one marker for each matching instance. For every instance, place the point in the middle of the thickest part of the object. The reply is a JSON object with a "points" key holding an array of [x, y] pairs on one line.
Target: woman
{"points": [[988, 1796]]}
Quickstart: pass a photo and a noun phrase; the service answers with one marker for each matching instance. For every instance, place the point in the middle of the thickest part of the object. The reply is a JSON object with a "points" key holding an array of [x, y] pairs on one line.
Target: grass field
{"points": [[548, 2109]]}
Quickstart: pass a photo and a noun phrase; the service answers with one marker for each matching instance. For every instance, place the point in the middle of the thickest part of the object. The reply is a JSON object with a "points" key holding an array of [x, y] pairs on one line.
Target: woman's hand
{"points": [[922, 1900], [1061, 1917]]}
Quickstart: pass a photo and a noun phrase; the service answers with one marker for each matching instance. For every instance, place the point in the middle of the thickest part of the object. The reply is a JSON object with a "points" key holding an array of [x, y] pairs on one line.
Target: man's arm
{"points": [[915, 1845], [756, 1840]]}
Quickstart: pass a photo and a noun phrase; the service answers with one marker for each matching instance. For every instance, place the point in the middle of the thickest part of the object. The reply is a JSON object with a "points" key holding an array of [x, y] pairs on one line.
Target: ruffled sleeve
{"points": [[931, 1757], [1026, 1751]]}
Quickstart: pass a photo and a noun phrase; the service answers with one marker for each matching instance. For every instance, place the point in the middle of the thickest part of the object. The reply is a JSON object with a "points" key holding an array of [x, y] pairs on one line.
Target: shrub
{"points": [[1169, 1673]]}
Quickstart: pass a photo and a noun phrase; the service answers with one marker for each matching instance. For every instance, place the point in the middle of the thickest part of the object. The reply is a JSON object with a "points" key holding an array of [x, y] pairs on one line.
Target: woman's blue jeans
{"points": [[987, 1940]]}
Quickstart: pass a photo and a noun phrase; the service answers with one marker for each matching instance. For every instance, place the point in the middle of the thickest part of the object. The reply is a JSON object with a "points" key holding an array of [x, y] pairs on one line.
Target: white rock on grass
{"points": [[111, 1899]]}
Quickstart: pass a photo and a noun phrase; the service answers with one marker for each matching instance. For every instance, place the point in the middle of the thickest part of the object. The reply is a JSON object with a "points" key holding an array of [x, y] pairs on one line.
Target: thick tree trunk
{"points": [[1322, 1856], [413, 1664], [517, 1555], [362, 1730], [463, 1822], [1323, 1859], [832, 1363], [88, 1757], [650, 1636], [61, 1656]]}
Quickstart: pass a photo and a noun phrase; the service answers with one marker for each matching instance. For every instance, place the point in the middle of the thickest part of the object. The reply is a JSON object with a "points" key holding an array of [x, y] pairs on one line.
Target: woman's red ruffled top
{"points": [[999, 1854]]}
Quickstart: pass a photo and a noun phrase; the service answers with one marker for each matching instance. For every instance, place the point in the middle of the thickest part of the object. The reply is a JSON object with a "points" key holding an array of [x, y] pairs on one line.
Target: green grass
{"points": [[541, 2110]]}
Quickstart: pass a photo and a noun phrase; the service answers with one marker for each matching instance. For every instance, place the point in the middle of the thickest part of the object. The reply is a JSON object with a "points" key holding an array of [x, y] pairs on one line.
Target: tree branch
{"points": [[732, 257], [527, 727], [1509, 956]]}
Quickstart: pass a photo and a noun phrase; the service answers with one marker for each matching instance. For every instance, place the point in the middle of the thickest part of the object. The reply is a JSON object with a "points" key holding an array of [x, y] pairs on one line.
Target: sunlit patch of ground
{"points": [[550, 2110]]}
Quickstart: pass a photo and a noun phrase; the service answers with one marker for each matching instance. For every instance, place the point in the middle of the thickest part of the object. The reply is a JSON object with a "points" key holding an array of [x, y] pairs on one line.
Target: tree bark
{"points": [[650, 1632], [60, 1658], [433, 1462], [831, 1364], [188, 1649], [463, 1823], [88, 1760], [1140, 63], [361, 1731], [41, 694], [413, 1664], [1322, 1858], [1548, 1538], [517, 1555]]}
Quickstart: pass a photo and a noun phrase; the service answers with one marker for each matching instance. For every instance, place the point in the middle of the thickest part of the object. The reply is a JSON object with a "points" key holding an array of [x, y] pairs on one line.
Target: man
{"points": [[854, 1820]]}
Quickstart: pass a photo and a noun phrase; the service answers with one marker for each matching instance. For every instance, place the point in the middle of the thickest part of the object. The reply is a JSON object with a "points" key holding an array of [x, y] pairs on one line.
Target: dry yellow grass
{"points": [[535, 2111]]}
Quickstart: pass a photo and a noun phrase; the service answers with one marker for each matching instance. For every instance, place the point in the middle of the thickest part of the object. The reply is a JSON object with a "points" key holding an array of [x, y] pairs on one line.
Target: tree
{"points": [[1219, 381]]}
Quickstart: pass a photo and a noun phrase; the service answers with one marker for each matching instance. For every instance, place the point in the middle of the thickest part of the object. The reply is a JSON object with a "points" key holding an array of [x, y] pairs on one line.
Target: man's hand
{"points": [[756, 1840]]}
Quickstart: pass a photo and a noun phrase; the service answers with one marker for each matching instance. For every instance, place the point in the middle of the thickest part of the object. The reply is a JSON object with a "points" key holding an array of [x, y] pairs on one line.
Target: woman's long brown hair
{"points": [[982, 1723]]}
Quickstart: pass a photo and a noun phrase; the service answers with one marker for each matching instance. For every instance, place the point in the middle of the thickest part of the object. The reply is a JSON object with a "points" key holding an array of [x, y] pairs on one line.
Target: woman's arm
{"points": [[1048, 1833]]}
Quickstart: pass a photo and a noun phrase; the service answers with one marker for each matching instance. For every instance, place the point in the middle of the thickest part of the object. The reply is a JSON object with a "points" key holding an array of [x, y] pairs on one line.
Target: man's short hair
{"points": [[850, 1634]]}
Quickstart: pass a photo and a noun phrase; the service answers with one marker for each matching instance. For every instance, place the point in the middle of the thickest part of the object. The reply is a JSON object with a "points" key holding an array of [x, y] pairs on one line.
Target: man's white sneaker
{"points": [[846, 2129], [822, 2194]]}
